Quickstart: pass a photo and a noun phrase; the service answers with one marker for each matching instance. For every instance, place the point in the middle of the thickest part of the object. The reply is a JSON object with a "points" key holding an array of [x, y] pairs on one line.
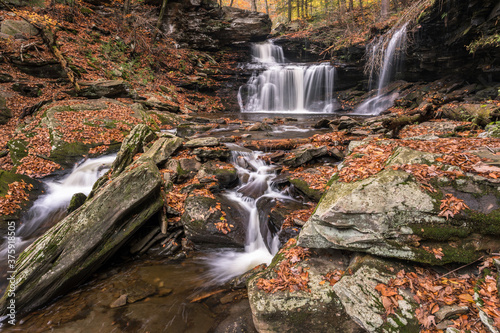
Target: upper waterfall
{"points": [[287, 88]]}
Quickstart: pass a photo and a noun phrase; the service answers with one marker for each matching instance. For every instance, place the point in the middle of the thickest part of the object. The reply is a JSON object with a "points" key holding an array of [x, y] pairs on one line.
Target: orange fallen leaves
{"points": [[432, 292], [289, 275], [16, 194], [365, 161], [451, 206], [332, 277]]}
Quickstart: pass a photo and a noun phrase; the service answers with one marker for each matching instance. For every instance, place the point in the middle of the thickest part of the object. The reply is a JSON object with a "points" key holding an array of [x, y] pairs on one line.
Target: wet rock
{"points": [[390, 215], [183, 169], [304, 187], [202, 142], [201, 219], [77, 200], [79, 244], [163, 148], [41, 69], [186, 130], [5, 113], [222, 154], [13, 27], [139, 290], [133, 144], [290, 311], [154, 103], [304, 154], [345, 122], [323, 123], [27, 89], [5, 78], [110, 89], [239, 319], [120, 301], [223, 173], [259, 127]]}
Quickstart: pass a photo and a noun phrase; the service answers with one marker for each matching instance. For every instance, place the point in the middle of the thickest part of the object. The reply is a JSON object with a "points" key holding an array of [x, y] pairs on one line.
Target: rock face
{"points": [[391, 215], [65, 126], [202, 218], [204, 25], [79, 244], [351, 305], [449, 27]]}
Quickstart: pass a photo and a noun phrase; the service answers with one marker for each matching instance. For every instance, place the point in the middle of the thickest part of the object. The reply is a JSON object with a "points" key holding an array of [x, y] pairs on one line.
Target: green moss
{"points": [[485, 224], [440, 232], [18, 150], [304, 187]]}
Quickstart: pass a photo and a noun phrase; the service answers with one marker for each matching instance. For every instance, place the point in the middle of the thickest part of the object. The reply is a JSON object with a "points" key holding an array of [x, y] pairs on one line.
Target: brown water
{"points": [[162, 292]]}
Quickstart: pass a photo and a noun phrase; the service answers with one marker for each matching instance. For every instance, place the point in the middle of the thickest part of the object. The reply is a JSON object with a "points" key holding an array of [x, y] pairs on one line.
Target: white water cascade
{"points": [[261, 244], [49, 208], [285, 87], [389, 56]]}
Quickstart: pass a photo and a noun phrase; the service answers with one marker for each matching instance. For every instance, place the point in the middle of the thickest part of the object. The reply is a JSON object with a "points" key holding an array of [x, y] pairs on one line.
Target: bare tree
{"points": [[384, 9], [290, 10], [254, 5]]}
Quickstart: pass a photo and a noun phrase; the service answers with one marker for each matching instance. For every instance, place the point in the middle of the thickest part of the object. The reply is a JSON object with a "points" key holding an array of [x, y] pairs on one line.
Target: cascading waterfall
{"points": [[267, 53], [51, 207], [287, 88], [261, 243], [389, 57]]}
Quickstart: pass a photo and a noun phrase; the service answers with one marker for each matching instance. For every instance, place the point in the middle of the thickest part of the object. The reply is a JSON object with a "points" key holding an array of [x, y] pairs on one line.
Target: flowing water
{"points": [[389, 53], [262, 243], [51, 207], [280, 87]]}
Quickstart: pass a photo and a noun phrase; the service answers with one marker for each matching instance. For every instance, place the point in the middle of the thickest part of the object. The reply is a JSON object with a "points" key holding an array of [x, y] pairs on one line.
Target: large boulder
{"points": [[330, 300], [214, 220], [79, 244], [204, 25], [14, 27], [391, 214], [64, 132]]}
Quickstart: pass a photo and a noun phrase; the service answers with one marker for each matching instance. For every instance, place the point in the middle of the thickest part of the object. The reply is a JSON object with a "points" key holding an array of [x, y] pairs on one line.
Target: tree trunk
{"points": [[160, 19], [267, 8], [298, 9], [126, 7], [351, 5], [289, 10], [231, 3], [361, 6], [254, 5], [384, 9]]}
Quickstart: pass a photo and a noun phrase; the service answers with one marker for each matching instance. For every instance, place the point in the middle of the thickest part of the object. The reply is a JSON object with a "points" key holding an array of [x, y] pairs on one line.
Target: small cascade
{"points": [[267, 53], [287, 88], [388, 54], [51, 207], [261, 242]]}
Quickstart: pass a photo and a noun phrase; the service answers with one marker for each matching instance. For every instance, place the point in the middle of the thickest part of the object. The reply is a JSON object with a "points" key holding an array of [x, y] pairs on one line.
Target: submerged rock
{"points": [[78, 245], [390, 214], [214, 220]]}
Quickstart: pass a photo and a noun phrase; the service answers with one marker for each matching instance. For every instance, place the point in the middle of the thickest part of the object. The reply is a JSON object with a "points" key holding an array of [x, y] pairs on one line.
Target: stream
{"points": [[166, 291]]}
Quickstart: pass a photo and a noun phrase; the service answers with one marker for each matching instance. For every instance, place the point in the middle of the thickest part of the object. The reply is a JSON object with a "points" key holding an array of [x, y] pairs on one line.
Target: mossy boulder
{"points": [[77, 200], [304, 154], [110, 89], [214, 221], [79, 244], [5, 113], [133, 144], [224, 174], [163, 148], [391, 215], [350, 305]]}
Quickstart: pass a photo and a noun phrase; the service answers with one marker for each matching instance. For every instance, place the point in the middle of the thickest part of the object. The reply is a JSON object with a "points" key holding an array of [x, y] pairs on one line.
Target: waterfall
{"points": [[267, 53], [51, 207], [261, 243], [287, 88], [388, 55]]}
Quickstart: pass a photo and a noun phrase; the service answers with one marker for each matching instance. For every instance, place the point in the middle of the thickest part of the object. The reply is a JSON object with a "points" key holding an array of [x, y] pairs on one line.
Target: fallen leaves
{"points": [[433, 292], [332, 277], [16, 194], [289, 275], [451, 206]]}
